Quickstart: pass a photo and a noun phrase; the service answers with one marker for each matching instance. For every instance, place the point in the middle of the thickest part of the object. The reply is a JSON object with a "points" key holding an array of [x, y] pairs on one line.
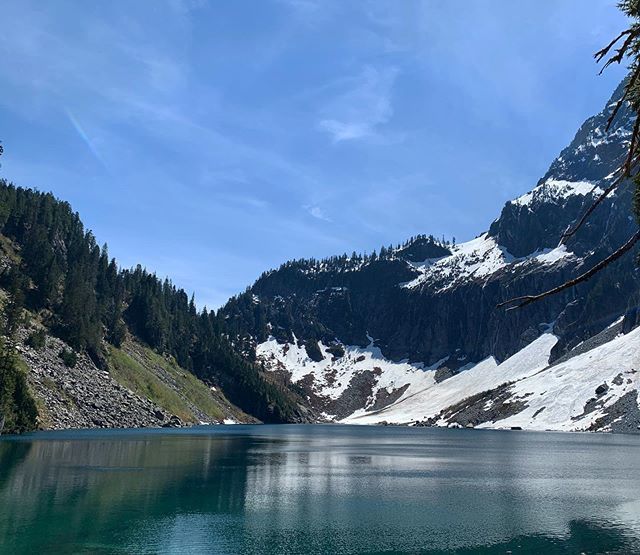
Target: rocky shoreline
{"points": [[83, 396]]}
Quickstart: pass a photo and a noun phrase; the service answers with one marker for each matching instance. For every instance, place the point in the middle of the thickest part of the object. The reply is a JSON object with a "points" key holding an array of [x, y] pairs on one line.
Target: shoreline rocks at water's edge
{"points": [[84, 396]]}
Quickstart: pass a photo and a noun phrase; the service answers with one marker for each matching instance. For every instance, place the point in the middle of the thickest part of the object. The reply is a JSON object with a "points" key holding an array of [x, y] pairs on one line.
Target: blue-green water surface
{"points": [[319, 489]]}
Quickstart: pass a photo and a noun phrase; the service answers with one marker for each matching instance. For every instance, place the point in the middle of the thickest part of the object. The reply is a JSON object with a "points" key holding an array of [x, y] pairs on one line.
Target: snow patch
{"points": [[479, 257], [556, 189], [563, 390], [549, 256], [422, 403], [561, 397], [332, 375]]}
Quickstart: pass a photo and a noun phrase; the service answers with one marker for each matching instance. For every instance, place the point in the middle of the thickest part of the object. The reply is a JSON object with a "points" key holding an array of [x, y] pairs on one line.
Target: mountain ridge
{"points": [[439, 314]]}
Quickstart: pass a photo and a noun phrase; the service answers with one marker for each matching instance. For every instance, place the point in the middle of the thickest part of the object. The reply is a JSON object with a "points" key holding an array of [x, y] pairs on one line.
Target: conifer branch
{"points": [[600, 54], [620, 52]]}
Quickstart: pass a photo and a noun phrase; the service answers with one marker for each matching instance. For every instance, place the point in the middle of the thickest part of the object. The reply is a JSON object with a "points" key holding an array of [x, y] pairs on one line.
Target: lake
{"points": [[319, 489]]}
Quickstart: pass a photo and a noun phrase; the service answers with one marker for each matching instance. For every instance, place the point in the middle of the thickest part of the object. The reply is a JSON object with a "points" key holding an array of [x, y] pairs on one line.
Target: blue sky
{"points": [[210, 141]]}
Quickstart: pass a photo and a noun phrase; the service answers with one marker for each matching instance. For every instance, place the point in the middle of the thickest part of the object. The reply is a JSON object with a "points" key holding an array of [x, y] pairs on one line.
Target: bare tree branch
{"points": [[626, 168], [572, 230], [519, 302], [615, 111]]}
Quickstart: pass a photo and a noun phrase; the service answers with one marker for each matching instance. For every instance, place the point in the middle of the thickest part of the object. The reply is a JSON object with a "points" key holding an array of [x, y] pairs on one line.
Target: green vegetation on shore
{"points": [[18, 412], [139, 368]]}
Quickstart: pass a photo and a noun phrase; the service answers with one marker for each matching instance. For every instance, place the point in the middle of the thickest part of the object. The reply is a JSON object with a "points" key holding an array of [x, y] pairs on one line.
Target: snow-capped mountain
{"points": [[413, 334]]}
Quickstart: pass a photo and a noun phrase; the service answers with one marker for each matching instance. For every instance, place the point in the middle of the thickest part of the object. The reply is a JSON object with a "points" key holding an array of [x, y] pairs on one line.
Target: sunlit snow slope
{"points": [[421, 403], [594, 390]]}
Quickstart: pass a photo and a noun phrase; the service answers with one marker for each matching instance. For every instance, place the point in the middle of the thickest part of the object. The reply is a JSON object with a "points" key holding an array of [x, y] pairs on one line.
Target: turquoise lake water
{"points": [[319, 489]]}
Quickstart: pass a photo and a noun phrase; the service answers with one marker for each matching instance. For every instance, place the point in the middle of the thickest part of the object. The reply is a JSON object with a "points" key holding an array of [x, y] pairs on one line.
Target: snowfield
{"points": [[479, 258], [559, 394], [482, 257], [556, 189], [422, 403], [332, 376], [560, 397]]}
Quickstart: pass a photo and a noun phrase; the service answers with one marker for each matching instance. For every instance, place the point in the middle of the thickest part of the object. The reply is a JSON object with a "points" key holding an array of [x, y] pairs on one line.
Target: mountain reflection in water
{"points": [[319, 489]]}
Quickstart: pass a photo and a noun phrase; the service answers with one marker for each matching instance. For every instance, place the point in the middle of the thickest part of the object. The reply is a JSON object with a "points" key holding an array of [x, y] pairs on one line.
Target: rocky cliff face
{"points": [[359, 334]]}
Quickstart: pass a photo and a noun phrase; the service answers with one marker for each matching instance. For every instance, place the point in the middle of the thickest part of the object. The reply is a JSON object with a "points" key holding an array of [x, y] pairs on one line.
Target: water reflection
{"points": [[325, 489]]}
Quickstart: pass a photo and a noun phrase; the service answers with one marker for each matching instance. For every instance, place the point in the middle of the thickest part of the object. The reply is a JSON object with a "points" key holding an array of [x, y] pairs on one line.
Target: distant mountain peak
{"points": [[431, 305]]}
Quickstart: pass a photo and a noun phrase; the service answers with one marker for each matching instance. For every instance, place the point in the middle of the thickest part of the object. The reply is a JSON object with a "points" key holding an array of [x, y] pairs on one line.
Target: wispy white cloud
{"points": [[118, 73], [245, 201], [317, 213], [344, 131], [362, 107]]}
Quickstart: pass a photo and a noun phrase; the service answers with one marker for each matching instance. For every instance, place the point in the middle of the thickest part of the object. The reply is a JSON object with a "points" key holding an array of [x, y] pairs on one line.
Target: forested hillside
{"points": [[53, 267]]}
